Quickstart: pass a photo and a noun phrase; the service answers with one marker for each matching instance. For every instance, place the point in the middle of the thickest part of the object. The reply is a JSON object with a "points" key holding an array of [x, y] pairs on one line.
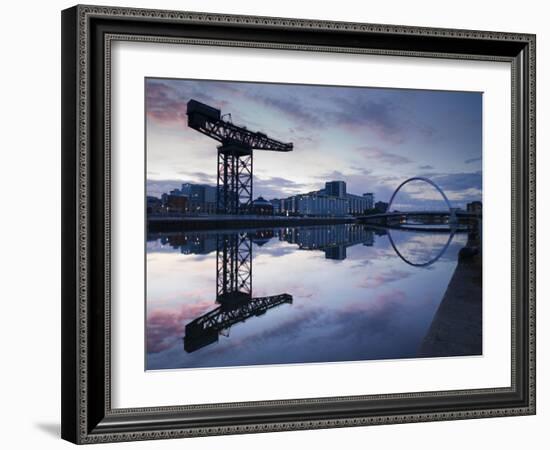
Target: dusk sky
{"points": [[371, 138]]}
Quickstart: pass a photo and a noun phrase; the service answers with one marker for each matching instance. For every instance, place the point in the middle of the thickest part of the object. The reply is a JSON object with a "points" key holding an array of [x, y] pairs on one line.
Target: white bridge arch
{"points": [[425, 180]]}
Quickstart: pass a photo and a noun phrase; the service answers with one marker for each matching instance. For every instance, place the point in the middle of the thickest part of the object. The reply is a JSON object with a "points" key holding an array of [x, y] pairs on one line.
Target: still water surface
{"points": [[292, 295]]}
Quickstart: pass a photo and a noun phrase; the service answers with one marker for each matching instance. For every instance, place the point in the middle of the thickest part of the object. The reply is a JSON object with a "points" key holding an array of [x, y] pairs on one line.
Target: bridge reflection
{"points": [[234, 263], [234, 248]]}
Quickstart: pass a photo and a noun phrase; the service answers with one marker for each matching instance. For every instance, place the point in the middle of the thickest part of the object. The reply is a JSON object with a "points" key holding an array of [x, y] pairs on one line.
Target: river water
{"points": [[293, 295]]}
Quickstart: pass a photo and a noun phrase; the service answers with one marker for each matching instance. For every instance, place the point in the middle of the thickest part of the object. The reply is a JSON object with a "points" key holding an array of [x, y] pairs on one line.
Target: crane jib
{"points": [[234, 181]]}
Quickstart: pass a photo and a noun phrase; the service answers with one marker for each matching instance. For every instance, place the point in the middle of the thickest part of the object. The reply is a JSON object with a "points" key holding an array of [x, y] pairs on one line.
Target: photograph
{"points": [[289, 219], [300, 223]]}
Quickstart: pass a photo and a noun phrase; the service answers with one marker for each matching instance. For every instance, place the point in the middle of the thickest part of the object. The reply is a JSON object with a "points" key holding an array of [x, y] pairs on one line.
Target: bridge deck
{"points": [[418, 213]]}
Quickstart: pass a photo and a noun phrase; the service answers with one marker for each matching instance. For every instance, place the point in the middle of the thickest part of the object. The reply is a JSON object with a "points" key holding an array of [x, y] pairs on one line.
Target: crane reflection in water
{"points": [[324, 293]]}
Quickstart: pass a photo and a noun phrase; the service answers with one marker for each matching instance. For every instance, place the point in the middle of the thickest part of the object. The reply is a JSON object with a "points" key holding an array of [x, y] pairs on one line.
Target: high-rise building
{"points": [[202, 198], [381, 206], [195, 192], [357, 204], [276, 205], [474, 207], [210, 194], [335, 188], [154, 205], [369, 197], [332, 200], [176, 203], [315, 204]]}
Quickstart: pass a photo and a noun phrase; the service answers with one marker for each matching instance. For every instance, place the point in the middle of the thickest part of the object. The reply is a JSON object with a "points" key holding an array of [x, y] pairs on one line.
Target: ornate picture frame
{"points": [[88, 33]]}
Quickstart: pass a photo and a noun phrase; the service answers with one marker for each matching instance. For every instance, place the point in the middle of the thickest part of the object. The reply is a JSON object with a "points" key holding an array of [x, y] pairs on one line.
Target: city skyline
{"points": [[370, 138]]}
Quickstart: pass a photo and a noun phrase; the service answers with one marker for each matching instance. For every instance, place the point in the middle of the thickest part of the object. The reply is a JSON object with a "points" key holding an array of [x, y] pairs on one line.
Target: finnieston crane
{"points": [[235, 163]]}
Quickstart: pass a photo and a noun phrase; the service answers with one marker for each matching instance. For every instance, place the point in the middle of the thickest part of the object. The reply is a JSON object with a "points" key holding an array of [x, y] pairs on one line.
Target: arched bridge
{"points": [[451, 216]]}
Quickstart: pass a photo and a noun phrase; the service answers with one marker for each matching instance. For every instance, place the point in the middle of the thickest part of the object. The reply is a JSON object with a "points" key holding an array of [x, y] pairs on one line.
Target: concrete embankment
{"points": [[166, 223], [456, 326]]}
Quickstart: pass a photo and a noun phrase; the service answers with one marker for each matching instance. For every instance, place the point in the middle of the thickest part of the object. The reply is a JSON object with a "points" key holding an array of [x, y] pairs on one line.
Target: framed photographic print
{"points": [[278, 224]]}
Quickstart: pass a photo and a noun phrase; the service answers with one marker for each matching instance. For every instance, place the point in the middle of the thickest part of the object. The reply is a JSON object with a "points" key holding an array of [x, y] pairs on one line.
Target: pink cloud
{"points": [[165, 325]]}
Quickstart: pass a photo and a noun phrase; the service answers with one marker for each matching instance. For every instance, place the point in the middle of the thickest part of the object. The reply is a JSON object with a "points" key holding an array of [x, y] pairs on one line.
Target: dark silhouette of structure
{"points": [[235, 163], [233, 268], [233, 293], [205, 329]]}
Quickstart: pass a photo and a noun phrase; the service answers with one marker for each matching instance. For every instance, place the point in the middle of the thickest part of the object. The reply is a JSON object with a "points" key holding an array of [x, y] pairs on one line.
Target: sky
{"points": [[372, 138]]}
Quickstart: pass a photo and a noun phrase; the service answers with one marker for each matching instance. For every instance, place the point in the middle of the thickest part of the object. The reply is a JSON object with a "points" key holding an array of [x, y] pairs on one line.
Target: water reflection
{"points": [[234, 291], [323, 293]]}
